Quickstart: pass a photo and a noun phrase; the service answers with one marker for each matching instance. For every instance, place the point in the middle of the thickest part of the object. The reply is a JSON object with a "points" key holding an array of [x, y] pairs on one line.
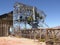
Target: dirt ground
{"points": [[18, 41]]}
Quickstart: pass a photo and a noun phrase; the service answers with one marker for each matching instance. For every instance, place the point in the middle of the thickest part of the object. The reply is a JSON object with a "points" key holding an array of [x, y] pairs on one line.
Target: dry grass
{"points": [[17, 41]]}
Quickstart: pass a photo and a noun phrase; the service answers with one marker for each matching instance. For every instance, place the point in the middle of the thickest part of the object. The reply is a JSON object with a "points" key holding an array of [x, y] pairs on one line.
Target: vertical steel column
{"points": [[34, 13]]}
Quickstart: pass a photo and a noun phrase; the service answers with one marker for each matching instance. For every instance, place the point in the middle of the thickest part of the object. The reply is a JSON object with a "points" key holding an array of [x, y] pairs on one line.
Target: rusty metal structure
{"points": [[28, 14]]}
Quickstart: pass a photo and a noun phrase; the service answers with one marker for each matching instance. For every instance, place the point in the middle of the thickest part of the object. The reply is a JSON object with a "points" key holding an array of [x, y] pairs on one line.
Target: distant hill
{"points": [[57, 27]]}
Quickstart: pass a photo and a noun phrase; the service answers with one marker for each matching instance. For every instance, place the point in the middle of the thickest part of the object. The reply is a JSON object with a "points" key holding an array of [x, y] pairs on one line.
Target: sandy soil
{"points": [[18, 41]]}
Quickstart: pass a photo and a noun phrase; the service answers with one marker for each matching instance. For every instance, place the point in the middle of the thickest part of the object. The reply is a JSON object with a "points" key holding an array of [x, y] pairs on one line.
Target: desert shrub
{"points": [[41, 40]]}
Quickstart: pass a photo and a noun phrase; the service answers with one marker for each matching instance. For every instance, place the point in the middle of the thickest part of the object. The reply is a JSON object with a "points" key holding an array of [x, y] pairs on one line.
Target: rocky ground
{"points": [[18, 41]]}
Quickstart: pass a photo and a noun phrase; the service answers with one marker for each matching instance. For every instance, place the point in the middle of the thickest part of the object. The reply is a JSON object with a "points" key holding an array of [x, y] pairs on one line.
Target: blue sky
{"points": [[50, 7]]}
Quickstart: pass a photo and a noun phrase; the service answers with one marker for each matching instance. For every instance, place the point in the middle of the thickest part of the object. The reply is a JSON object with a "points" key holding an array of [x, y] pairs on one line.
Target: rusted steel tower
{"points": [[27, 14]]}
